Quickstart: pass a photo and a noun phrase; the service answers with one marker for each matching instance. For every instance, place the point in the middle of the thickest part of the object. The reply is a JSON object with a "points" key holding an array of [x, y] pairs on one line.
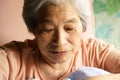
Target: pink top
{"points": [[20, 60]]}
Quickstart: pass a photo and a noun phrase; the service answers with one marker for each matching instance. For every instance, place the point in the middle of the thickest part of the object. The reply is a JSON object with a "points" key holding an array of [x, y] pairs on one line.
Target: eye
{"points": [[46, 30], [70, 29]]}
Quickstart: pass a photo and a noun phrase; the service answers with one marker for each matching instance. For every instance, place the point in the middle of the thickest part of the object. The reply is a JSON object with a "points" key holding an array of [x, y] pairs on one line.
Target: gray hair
{"points": [[31, 7]]}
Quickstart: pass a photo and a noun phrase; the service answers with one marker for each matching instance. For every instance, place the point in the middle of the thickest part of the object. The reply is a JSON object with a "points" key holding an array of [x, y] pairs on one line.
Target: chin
{"points": [[62, 59]]}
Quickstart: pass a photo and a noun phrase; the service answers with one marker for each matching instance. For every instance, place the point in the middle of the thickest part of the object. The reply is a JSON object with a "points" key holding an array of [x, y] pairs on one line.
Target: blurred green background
{"points": [[107, 21]]}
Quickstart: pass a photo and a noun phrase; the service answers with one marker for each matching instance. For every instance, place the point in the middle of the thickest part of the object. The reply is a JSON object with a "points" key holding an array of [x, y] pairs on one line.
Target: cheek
{"points": [[42, 42], [77, 36], [76, 39]]}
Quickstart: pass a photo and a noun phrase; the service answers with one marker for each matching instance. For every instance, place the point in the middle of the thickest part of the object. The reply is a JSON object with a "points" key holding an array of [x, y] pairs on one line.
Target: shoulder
{"points": [[14, 50], [16, 46], [93, 41], [96, 43], [95, 51], [13, 57]]}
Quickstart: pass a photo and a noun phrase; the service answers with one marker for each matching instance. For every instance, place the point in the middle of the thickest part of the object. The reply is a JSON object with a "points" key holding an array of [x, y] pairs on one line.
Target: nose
{"points": [[60, 37]]}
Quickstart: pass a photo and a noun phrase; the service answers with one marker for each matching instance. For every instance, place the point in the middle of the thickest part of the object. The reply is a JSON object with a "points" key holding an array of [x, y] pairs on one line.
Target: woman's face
{"points": [[58, 33]]}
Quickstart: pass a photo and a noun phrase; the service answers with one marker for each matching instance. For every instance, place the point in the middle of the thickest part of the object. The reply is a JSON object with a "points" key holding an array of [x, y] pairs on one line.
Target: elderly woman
{"points": [[58, 49]]}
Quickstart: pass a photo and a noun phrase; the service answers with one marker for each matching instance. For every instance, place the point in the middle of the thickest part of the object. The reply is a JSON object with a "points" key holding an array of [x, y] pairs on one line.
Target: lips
{"points": [[59, 52], [56, 50]]}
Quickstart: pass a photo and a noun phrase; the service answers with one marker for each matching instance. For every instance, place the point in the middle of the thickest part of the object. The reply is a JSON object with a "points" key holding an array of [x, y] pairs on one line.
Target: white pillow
{"points": [[86, 72]]}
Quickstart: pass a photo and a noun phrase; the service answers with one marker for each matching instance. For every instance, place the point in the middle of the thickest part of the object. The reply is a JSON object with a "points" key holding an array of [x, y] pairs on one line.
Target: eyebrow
{"points": [[45, 21], [70, 21], [52, 22], [48, 21]]}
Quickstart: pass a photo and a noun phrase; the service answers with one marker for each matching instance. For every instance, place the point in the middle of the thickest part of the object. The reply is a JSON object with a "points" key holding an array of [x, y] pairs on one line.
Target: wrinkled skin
{"points": [[58, 33]]}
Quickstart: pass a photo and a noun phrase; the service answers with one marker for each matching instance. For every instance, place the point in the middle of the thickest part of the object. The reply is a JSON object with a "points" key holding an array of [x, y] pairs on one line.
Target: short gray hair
{"points": [[31, 7]]}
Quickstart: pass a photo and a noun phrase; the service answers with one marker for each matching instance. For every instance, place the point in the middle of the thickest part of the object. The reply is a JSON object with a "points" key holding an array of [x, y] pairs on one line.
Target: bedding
{"points": [[86, 72]]}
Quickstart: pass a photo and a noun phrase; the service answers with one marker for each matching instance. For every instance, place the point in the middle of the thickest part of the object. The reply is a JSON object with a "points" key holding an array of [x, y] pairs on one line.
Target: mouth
{"points": [[59, 52]]}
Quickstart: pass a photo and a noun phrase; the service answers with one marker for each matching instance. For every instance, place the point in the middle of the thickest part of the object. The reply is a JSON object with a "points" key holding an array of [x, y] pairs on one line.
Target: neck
{"points": [[55, 70]]}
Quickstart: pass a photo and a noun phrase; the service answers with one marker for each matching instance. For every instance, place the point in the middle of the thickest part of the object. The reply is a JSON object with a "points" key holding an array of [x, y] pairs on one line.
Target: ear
{"points": [[83, 28]]}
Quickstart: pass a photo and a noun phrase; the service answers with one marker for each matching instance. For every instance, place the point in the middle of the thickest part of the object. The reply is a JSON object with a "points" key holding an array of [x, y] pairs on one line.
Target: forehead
{"points": [[56, 10]]}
